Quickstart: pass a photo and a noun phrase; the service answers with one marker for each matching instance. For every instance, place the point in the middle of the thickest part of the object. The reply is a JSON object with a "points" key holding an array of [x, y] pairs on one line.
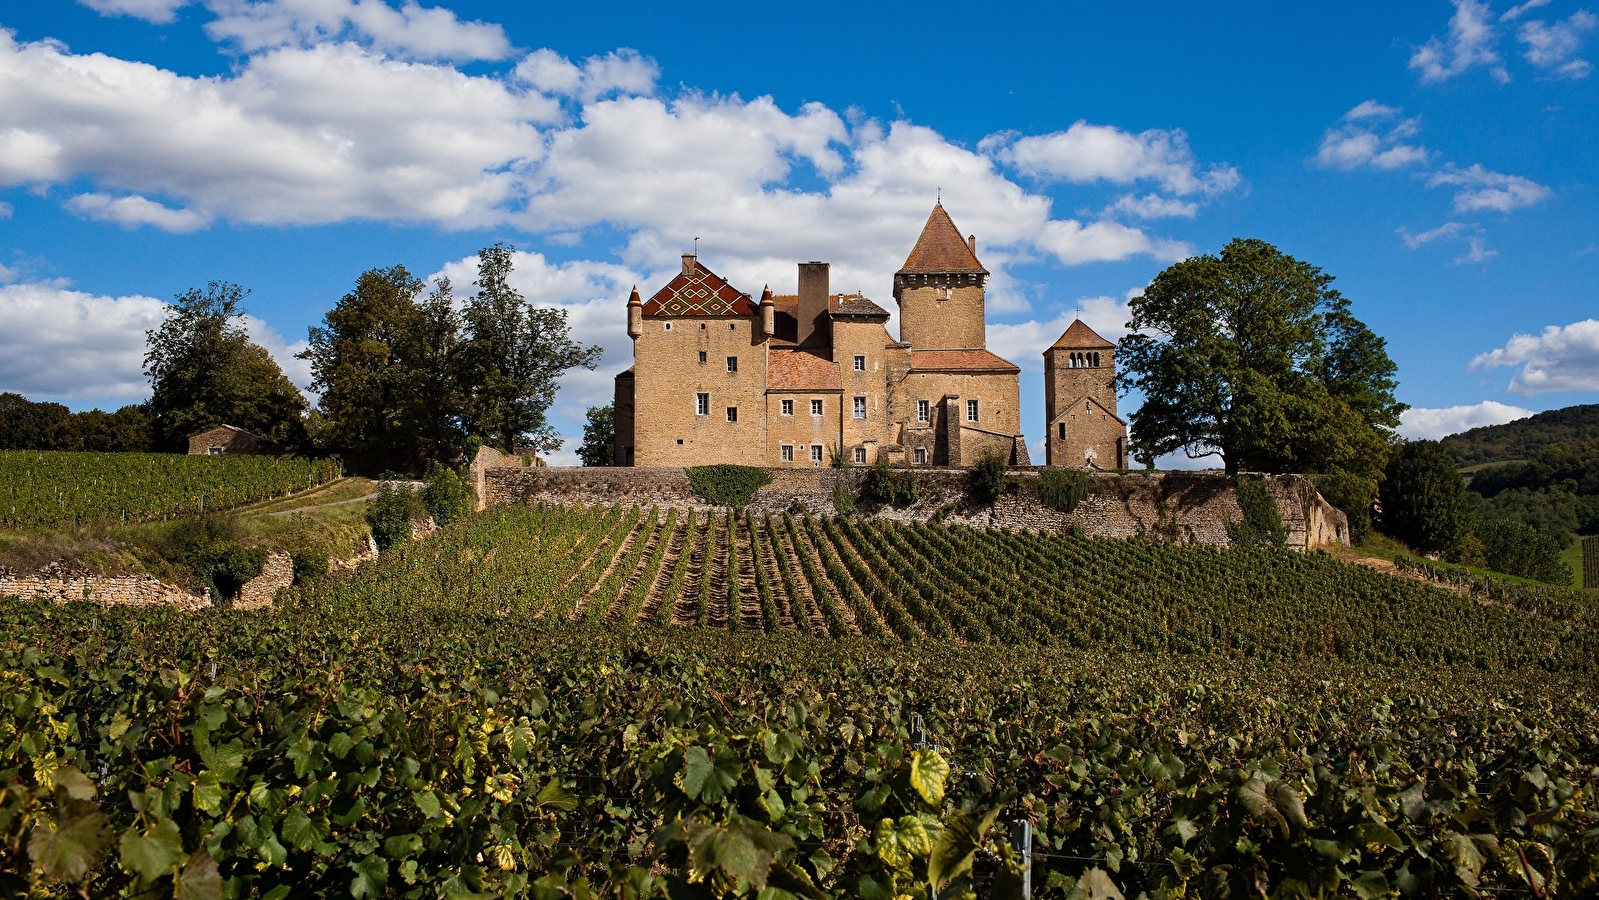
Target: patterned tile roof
{"points": [[699, 293], [941, 249], [801, 370], [1080, 337], [959, 361]]}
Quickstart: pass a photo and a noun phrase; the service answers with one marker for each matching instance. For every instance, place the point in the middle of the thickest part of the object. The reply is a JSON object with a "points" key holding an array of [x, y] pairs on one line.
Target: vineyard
{"points": [[50, 489], [505, 709]]}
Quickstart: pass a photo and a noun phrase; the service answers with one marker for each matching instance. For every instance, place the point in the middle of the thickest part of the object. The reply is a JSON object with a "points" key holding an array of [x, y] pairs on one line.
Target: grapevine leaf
{"points": [[1371, 886], [929, 771], [901, 843], [705, 780], [427, 802], [76, 784], [300, 831], [200, 879], [154, 854], [554, 796], [224, 760], [71, 850], [371, 874], [953, 851], [1096, 884], [1287, 802]]}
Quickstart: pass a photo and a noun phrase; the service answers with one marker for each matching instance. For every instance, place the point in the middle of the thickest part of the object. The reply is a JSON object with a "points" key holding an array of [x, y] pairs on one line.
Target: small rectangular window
{"points": [[860, 363], [860, 455], [816, 453], [924, 410], [816, 407], [788, 453], [921, 456], [702, 404], [788, 407], [971, 410], [732, 414], [702, 356], [214, 451], [1063, 431], [732, 364], [860, 407]]}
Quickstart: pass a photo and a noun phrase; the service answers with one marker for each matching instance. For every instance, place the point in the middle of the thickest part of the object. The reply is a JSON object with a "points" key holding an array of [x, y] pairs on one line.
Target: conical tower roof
{"points": [[941, 249], [1081, 337]]}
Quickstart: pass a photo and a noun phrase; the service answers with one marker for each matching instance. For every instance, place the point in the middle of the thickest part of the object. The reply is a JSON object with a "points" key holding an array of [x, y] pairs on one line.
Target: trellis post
{"points": [[1021, 840]]}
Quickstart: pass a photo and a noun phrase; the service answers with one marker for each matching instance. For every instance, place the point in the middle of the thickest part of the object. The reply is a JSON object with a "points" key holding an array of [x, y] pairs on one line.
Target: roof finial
{"points": [[939, 197], [1077, 314], [696, 246]]}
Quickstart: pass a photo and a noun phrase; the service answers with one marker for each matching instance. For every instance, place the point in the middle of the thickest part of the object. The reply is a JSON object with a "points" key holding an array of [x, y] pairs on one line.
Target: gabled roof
{"points": [[941, 249], [700, 292], [967, 361], [854, 305], [1081, 337], [801, 370]]}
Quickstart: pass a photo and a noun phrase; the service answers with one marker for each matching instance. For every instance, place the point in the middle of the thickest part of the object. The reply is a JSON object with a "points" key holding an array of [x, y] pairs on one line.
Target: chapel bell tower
{"points": [[1083, 429]]}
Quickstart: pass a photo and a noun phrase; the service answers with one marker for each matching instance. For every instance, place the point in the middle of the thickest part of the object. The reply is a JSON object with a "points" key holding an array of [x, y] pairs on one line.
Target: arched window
{"points": [[1096, 360]]}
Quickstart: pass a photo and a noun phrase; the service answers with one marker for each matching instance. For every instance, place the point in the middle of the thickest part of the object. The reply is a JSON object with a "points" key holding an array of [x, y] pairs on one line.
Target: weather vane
{"points": [[696, 246]]}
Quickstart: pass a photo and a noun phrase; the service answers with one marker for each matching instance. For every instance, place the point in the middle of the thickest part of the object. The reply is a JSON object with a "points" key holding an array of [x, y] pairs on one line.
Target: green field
{"points": [[52, 489], [507, 709]]}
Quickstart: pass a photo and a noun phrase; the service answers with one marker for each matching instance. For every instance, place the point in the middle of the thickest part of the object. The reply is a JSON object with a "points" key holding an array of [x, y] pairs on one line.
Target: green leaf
{"points": [[224, 760], [1463, 852], [301, 831], [1182, 829], [371, 874], [1287, 801], [899, 844], [75, 783], [707, 781], [553, 796], [427, 803], [200, 879], [207, 793], [153, 855], [956, 845], [1096, 884], [70, 851], [929, 771], [401, 846], [1371, 886]]}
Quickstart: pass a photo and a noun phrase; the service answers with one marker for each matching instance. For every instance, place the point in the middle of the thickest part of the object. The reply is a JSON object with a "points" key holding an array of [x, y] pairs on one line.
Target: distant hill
{"points": [[1524, 438]]}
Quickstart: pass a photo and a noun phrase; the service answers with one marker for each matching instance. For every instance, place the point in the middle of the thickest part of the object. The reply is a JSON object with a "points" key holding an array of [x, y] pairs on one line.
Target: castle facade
{"points": [[814, 378]]}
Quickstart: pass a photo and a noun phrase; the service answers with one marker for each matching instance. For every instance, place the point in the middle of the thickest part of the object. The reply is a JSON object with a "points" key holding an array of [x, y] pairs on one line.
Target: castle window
{"points": [[788, 453], [860, 455], [702, 326], [1063, 431], [971, 410], [816, 453], [860, 407], [702, 356], [788, 407], [816, 407], [731, 325], [668, 326], [702, 404], [732, 364], [1096, 360], [860, 363], [924, 410], [921, 456], [732, 414]]}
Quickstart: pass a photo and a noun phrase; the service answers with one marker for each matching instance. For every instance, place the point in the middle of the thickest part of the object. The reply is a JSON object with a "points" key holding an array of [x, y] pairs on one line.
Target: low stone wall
{"points": [[276, 574], [119, 590], [1177, 506]]}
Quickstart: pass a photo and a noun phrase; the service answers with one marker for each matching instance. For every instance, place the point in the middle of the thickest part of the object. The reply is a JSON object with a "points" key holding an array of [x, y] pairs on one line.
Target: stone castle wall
{"points": [[1178, 506]]}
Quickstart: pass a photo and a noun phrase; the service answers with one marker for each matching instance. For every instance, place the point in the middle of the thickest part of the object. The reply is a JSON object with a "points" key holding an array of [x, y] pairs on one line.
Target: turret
{"points": [[635, 315], [768, 314]]}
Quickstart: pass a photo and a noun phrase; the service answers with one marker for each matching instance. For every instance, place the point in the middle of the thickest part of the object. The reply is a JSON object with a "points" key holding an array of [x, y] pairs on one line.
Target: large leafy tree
{"points": [[205, 372], [26, 425], [1424, 499], [1252, 356], [599, 437], [512, 358]]}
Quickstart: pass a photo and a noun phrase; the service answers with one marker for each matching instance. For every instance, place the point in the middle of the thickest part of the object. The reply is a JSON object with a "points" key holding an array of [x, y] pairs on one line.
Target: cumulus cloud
{"points": [[1447, 229], [1477, 250], [1420, 424], [63, 344], [412, 31], [1024, 343], [134, 211], [1481, 189], [1358, 140], [1153, 206], [1561, 358], [621, 71], [1553, 46], [1470, 44], [160, 12], [1086, 153]]}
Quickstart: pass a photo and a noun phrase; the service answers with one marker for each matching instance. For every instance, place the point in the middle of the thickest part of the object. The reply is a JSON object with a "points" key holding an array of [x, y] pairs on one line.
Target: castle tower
{"points": [[1080, 402], [940, 289]]}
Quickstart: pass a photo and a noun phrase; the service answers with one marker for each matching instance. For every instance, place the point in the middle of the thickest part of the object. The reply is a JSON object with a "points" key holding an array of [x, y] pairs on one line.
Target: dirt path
{"points": [[774, 578], [719, 575], [749, 596], [807, 602], [301, 509], [688, 602], [619, 604], [674, 551], [622, 549]]}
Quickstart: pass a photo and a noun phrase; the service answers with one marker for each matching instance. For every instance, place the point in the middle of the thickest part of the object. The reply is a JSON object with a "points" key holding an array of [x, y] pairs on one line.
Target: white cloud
{"points": [[283, 352], [412, 31], [1153, 206], [1484, 189], [1553, 46], [1447, 229], [63, 344], [1517, 11], [1477, 250], [1470, 44], [133, 211], [160, 12], [5, 210], [1086, 153], [622, 71], [1024, 343], [1420, 424], [1357, 142], [1561, 358]]}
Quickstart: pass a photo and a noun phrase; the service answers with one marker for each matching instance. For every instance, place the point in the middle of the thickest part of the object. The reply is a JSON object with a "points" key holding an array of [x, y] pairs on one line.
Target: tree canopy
{"points": [[1251, 355], [205, 372], [1424, 499], [599, 437]]}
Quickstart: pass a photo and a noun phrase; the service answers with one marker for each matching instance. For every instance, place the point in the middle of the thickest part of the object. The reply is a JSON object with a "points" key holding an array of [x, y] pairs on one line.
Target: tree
{"points": [[26, 425], [205, 372], [1424, 499], [599, 437], [128, 430], [512, 358], [1253, 356]]}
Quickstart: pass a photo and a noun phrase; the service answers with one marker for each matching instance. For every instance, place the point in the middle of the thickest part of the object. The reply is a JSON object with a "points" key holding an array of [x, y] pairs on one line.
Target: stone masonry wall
{"points": [[121, 590], [276, 574], [1178, 506]]}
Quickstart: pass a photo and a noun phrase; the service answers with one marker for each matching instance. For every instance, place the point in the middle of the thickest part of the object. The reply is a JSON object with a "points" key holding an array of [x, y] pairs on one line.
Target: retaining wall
{"points": [[1178, 506], [118, 590]]}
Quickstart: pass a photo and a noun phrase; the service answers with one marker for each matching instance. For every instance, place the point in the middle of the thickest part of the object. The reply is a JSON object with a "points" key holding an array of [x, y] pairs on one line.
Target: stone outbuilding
{"points": [[1080, 402], [226, 439]]}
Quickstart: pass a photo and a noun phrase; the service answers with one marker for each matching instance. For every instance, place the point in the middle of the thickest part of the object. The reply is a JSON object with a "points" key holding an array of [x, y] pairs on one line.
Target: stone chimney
{"points": [[635, 315], [812, 307], [688, 264], [971, 241]]}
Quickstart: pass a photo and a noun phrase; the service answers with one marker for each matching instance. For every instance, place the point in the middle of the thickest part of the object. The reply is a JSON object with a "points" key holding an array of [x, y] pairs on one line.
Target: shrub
{"points": [[727, 485], [230, 567], [391, 513], [1353, 495], [309, 565], [1063, 490], [448, 496], [843, 499], [1262, 524], [987, 481], [886, 485], [1515, 548]]}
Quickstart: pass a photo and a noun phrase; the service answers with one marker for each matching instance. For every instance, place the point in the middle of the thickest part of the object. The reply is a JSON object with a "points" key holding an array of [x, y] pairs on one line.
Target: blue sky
{"points": [[1438, 158]]}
